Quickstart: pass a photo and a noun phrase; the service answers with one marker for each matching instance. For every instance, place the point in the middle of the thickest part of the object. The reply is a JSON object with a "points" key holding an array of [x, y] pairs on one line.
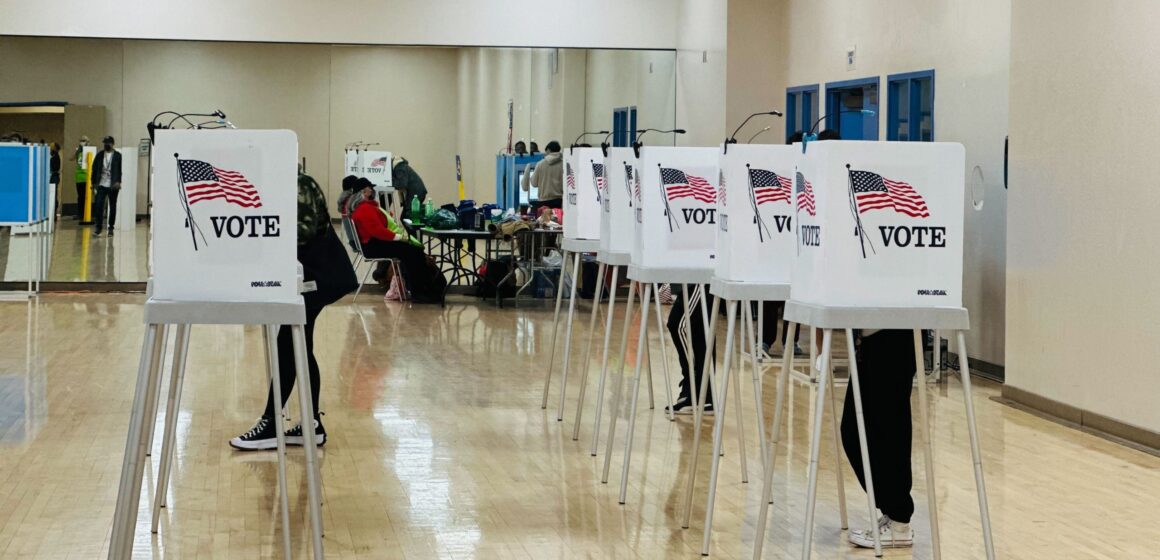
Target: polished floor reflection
{"points": [[439, 449], [76, 255]]}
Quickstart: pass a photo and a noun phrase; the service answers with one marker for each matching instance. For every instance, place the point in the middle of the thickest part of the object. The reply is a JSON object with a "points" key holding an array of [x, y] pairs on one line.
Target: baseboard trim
{"points": [[1086, 421], [67, 287], [995, 372]]}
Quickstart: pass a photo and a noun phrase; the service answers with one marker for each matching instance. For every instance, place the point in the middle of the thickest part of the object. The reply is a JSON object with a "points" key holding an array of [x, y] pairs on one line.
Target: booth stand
{"points": [[901, 269], [581, 235], [754, 259], [204, 275], [674, 242], [616, 239]]}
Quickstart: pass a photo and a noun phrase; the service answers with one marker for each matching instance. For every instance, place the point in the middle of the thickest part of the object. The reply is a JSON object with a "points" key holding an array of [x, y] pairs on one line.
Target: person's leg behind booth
{"points": [[885, 362], [263, 435], [696, 329]]}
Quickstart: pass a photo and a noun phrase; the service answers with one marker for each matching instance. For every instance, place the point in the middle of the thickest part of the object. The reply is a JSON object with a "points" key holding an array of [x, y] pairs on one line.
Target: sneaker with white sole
{"points": [[684, 407], [892, 534], [262, 436], [294, 435]]}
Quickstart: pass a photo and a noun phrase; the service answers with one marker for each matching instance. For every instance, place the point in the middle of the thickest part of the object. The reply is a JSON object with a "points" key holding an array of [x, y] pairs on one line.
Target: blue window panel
{"points": [[844, 102], [910, 113], [631, 123], [801, 108]]}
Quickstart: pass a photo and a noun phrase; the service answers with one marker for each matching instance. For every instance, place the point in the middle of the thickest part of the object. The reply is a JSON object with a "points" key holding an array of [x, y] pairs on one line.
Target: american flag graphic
{"points": [[628, 182], [805, 195], [769, 186], [678, 184], [636, 189], [875, 192], [598, 173], [569, 177], [203, 181]]}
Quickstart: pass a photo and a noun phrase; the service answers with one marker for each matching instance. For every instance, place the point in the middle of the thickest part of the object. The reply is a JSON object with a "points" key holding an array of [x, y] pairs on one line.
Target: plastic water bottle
{"points": [[428, 209], [416, 216]]}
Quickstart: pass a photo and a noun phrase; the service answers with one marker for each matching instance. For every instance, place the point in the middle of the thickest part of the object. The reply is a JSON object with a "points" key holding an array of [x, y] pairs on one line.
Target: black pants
{"points": [[412, 258], [82, 199], [105, 195], [886, 373], [697, 334], [769, 314], [287, 374]]}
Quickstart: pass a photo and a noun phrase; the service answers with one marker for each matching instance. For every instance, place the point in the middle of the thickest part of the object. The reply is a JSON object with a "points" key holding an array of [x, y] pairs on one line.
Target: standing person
{"points": [[408, 182], [548, 177], [696, 329], [885, 361], [107, 175], [324, 262], [54, 172], [81, 176]]}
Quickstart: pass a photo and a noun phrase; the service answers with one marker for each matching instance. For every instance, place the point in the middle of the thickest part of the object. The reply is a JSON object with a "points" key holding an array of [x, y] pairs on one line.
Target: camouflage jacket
{"points": [[313, 218]]}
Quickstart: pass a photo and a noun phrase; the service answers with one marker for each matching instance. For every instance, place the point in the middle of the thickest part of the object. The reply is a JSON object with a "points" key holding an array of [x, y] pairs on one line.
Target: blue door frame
{"points": [[909, 119]]}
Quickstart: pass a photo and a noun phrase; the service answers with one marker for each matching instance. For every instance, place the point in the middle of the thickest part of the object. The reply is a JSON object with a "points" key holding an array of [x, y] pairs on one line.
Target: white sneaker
{"points": [[892, 534]]}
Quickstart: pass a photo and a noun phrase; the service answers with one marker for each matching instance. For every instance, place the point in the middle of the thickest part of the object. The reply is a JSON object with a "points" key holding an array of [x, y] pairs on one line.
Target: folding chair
{"points": [[352, 239]]}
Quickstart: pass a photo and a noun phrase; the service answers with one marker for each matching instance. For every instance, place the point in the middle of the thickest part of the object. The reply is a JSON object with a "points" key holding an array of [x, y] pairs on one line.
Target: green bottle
{"points": [[416, 216], [428, 209]]}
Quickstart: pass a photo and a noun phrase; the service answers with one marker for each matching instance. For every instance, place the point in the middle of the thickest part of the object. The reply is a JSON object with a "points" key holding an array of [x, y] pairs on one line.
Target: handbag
{"points": [[325, 262]]}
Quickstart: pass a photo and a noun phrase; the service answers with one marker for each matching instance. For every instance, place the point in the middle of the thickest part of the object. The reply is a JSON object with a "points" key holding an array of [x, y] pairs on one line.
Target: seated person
{"points": [[379, 242], [349, 189]]}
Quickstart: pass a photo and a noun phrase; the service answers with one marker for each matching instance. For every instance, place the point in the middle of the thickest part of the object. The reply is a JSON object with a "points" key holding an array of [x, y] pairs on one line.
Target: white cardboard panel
{"points": [[616, 223], [374, 165], [234, 253], [911, 250], [581, 193], [755, 237], [676, 219]]}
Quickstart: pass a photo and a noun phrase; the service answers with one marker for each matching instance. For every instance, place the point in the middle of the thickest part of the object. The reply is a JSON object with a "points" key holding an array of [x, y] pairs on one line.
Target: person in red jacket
{"points": [[377, 239]]}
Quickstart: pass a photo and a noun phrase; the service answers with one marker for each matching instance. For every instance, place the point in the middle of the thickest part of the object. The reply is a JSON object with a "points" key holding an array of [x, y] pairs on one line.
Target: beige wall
{"points": [[639, 24], [967, 43], [1081, 261], [701, 51], [755, 74]]}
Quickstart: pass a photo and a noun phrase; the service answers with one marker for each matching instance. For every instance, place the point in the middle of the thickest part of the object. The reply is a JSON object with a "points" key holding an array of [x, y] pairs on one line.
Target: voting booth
{"points": [[224, 249], [582, 192], [372, 164], [879, 245], [616, 221], [755, 236], [879, 224], [676, 208]]}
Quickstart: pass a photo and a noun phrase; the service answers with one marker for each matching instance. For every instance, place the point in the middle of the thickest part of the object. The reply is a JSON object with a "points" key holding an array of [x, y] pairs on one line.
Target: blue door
{"points": [[845, 103]]}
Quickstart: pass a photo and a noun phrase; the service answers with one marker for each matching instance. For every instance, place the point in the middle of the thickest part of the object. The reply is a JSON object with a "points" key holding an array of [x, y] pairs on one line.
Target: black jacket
{"points": [[99, 167], [404, 178]]}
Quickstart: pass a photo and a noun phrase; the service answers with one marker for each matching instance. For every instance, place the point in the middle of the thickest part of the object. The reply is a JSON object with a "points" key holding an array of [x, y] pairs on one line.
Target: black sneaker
{"points": [[110, 231], [261, 436], [294, 435], [97, 232], [685, 407]]}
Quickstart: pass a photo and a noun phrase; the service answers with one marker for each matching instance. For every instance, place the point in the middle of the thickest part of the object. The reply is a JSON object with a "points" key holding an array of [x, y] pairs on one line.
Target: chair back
{"points": [[352, 238]]}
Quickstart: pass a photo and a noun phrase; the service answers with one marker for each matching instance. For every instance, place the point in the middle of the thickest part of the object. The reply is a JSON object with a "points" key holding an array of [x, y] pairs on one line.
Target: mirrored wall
{"points": [[427, 104]]}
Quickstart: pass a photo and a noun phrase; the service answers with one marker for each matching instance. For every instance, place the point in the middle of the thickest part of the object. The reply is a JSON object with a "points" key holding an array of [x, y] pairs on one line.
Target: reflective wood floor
{"points": [[439, 449]]}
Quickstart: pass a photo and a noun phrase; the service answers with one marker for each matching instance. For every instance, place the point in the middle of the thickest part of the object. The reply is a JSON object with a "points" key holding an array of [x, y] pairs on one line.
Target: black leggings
{"points": [[412, 258], [286, 371], [885, 373], [697, 334]]}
